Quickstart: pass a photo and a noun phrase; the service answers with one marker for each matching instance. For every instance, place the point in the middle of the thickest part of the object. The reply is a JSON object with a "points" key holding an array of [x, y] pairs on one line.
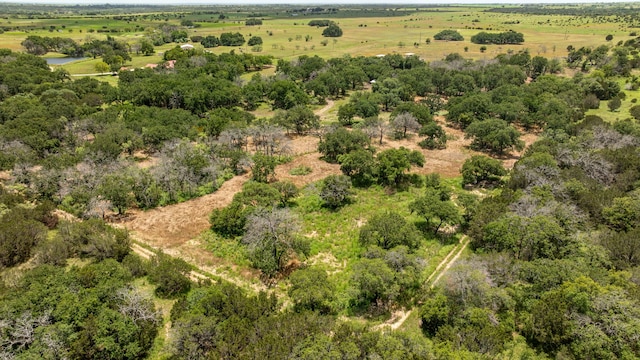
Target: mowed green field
{"points": [[289, 36]]}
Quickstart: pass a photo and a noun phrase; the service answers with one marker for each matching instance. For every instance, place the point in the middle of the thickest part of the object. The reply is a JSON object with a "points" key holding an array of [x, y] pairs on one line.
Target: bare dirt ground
{"points": [[5, 175], [174, 229], [448, 162], [173, 225], [319, 169]]}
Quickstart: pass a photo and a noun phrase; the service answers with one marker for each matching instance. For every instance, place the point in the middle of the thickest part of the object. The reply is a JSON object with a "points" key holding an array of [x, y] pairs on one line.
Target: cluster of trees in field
{"points": [[507, 37], [621, 62], [66, 149], [448, 35], [592, 11]]}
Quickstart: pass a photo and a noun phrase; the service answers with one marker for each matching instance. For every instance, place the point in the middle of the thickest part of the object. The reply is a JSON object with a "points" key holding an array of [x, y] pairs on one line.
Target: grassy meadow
{"points": [[366, 33]]}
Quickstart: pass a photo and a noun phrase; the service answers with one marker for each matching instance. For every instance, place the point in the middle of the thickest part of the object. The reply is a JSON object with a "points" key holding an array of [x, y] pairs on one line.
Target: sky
{"points": [[306, 2]]}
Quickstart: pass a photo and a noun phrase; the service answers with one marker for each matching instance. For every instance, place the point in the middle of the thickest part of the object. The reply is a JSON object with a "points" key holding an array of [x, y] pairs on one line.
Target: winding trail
{"points": [[464, 241], [399, 317], [322, 111]]}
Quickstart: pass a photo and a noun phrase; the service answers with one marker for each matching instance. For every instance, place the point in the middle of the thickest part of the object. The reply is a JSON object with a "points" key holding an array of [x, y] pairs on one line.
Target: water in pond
{"points": [[62, 61]]}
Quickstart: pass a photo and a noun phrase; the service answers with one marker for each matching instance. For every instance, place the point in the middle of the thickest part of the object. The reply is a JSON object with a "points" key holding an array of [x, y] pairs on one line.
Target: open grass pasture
{"points": [[286, 34], [544, 35]]}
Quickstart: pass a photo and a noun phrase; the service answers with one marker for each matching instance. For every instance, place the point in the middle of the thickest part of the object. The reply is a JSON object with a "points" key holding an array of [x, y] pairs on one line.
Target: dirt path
{"points": [[461, 246], [399, 317], [322, 111], [203, 273]]}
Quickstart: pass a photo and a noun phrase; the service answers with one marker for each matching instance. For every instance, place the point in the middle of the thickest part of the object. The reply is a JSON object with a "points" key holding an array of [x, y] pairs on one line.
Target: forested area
{"points": [[553, 270]]}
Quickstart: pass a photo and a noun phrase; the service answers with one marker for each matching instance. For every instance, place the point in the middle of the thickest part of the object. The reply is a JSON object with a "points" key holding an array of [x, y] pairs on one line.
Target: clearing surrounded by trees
{"points": [[344, 181]]}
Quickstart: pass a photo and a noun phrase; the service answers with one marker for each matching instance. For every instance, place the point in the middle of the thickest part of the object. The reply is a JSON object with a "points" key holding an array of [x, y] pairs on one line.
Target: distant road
{"points": [[96, 74]]}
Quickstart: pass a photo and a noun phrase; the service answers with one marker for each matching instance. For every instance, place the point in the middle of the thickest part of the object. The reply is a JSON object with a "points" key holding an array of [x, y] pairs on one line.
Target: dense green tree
{"points": [[263, 168], [96, 239], [481, 169], [635, 111], [614, 104], [374, 283], [494, 135], [146, 47], [287, 189], [342, 141], [299, 118], [527, 239], [18, 236], [360, 165], [508, 37], [435, 136], [335, 190], [231, 39], [311, 289], [393, 165], [102, 67], [623, 214], [333, 30], [388, 230], [434, 313], [346, 113], [210, 41], [254, 40], [118, 190], [285, 94], [468, 109], [170, 276], [623, 247], [448, 35], [435, 210], [320, 23]]}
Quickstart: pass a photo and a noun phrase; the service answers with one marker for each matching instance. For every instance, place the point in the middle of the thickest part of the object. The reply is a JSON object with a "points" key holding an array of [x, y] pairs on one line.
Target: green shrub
{"points": [[300, 170]]}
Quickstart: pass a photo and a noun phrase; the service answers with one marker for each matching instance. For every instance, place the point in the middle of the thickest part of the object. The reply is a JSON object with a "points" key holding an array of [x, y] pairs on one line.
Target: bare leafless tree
{"points": [[135, 305], [404, 123], [234, 138], [271, 238], [269, 140]]}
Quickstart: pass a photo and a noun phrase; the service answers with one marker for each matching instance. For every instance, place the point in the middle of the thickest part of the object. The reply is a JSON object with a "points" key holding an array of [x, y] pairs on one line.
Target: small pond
{"points": [[62, 61]]}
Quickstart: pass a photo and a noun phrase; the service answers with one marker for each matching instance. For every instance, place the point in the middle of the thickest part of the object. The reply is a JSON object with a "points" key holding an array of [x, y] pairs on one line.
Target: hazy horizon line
{"points": [[307, 2]]}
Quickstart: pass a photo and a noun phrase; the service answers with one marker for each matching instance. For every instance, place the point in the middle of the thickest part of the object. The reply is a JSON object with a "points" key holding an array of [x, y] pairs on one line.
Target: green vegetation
{"points": [[509, 37], [332, 30], [301, 170], [448, 35], [529, 253]]}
